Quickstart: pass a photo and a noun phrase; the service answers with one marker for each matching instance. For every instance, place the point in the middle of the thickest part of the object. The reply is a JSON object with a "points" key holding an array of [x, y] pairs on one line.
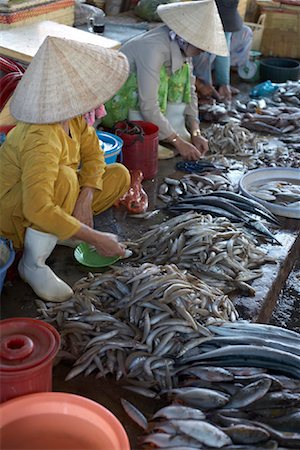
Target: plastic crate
{"points": [[257, 29]]}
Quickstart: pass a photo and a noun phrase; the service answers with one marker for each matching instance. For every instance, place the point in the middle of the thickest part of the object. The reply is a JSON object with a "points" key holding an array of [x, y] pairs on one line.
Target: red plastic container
{"points": [[140, 152], [6, 128], [27, 349]]}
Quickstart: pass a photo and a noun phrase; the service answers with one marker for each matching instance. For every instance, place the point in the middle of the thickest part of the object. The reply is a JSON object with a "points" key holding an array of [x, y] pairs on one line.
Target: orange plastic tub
{"points": [[59, 421]]}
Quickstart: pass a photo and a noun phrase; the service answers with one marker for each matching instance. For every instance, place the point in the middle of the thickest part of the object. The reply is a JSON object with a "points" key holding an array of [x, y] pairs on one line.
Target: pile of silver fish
{"points": [[256, 345], [223, 255], [134, 322], [231, 205], [280, 155], [236, 408], [292, 141], [230, 140], [247, 398], [287, 93], [273, 120], [280, 192], [193, 183], [216, 112]]}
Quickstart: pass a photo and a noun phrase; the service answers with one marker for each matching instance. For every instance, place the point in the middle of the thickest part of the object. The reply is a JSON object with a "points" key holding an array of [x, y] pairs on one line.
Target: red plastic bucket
{"points": [[27, 349], [6, 128], [140, 151]]}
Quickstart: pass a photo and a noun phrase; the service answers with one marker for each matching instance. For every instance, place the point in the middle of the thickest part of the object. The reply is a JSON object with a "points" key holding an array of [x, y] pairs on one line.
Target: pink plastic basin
{"points": [[59, 421]]}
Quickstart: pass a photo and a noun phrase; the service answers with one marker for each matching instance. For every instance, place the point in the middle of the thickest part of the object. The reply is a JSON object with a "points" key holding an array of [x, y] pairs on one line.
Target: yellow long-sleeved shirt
{"points": [[30, 160]]}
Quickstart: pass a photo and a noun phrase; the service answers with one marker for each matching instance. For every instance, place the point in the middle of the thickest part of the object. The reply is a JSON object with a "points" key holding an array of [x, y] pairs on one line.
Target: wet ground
{"points": [[287, 311]]}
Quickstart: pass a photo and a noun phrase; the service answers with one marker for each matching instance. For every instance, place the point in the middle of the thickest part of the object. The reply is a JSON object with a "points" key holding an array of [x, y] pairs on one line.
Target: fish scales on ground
{"points": [[211, 248], [137, 321]]}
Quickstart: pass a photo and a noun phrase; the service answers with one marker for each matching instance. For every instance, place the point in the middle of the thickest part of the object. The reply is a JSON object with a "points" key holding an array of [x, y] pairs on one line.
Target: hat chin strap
{"points": [[180, 41], [65, 125]]}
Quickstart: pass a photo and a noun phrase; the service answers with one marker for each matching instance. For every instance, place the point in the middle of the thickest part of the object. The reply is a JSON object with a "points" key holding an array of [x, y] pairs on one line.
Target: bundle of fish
{"points": [[216, 112], [234, 206], [230, 140], [193, 183], [275, 156], [245, 399], [211, 248], [275, 121], [288, 93], [247, 344], [228, 408], [135, 321], [278, 192]]}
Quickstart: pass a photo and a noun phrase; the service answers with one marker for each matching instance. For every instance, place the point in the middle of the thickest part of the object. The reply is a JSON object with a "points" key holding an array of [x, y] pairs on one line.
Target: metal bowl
{"points": [[271, 174]]}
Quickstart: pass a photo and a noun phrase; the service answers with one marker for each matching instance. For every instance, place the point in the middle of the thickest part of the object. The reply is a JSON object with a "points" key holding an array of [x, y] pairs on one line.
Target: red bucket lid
{"points": [[26, 343]]}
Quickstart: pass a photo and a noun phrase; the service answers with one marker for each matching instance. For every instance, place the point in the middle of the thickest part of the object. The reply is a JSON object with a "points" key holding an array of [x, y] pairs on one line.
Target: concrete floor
{"points": [[17, 298], [286, 314]]}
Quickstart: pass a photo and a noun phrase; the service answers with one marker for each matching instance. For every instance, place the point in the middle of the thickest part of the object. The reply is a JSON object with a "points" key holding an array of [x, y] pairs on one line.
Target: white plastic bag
{"points": [[83, 12]]}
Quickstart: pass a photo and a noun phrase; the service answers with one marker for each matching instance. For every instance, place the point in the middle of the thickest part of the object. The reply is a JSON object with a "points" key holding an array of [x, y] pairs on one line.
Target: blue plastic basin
{"points": [[111, 145]]}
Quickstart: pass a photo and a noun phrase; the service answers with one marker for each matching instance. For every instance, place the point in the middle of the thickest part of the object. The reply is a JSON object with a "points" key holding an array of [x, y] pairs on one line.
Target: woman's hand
{"points": [[206, 90], [187, 151], [83, 207], [225, 92], [107, 244], [200, 143]]}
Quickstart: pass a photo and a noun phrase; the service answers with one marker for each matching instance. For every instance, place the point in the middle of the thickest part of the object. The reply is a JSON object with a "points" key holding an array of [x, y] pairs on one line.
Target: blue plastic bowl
{"points": [[7, 256], [111, 145]]}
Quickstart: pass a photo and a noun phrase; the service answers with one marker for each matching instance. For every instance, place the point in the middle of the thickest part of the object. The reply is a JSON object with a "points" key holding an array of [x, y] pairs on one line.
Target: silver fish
{"points": [[134, 414], [203, 432]]}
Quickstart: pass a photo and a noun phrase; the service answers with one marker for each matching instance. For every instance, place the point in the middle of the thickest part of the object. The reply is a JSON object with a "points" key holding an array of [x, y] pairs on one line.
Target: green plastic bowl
{"points": [[85, 255]]}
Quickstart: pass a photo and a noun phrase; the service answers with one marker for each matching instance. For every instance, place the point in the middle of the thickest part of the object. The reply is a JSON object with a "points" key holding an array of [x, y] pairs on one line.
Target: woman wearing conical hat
{"points": [[239, 41], [53, 176], [160, 88]]}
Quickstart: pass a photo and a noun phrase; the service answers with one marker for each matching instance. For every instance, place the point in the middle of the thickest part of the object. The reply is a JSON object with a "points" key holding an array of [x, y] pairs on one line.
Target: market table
{"points": [[22, 43]]}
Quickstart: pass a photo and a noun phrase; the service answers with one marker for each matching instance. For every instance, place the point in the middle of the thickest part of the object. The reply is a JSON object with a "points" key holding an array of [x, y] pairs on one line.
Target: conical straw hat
{"points": [[198, 23], [67, 78]]}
